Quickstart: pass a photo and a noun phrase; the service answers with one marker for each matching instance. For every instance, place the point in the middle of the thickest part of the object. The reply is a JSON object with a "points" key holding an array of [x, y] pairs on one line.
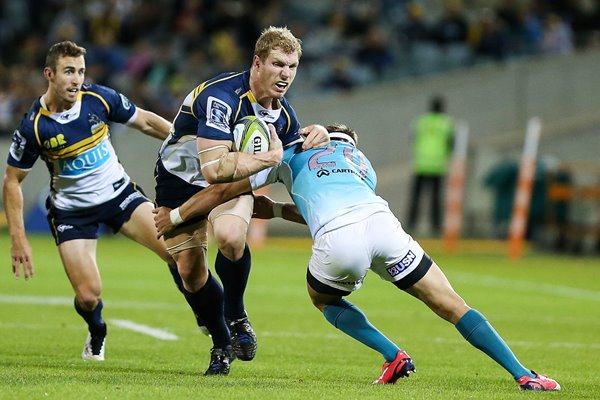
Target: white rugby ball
{"points": [[251, 135]]}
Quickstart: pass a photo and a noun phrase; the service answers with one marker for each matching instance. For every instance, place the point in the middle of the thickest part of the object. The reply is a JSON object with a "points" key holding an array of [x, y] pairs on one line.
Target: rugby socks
{"points": [[350, 319], [176, 277], [179, 283], [96, 324], [207, 304], [234, 276], [477, 330]]}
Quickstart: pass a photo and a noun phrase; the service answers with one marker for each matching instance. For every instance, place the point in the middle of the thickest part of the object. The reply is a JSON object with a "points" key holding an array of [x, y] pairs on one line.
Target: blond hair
{"points": [[277, 37]]}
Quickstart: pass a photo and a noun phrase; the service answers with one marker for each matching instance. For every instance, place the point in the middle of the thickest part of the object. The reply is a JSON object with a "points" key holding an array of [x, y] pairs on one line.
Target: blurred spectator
{"points": [[453, 26], [489, 39], [432, 140], [374, 52], [161, 48], [558, 37]]}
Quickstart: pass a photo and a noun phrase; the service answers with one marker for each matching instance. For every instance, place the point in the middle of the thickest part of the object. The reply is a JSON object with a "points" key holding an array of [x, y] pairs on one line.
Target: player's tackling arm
{"points": [[151, 124], [266, 208], [219, 164], [199, 204], [20, 250]]}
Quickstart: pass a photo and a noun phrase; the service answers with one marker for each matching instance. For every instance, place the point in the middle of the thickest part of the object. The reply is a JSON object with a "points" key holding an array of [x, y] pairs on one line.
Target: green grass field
{"points": [[547, 308]]}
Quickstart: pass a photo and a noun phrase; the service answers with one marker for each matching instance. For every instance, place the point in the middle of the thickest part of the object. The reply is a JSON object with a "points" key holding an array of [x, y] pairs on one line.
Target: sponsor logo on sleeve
{"points": [[218, 114], [125, 101], [17, 147], [402, 265]]}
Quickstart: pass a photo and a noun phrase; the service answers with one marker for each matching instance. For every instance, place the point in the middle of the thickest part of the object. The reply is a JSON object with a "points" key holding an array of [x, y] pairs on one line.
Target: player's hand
{"points": [[162, 221], [263, 207], [275, 144], [20, 254], [314, 136]]}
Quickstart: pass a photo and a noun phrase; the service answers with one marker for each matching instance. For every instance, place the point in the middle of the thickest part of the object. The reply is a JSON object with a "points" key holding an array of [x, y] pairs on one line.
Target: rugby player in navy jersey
{"points": [[200, 152], [68, 128], [354, 231]]}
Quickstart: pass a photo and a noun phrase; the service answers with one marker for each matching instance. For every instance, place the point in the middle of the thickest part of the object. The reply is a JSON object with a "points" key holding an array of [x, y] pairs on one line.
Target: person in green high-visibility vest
{"points": [[433, 136]]}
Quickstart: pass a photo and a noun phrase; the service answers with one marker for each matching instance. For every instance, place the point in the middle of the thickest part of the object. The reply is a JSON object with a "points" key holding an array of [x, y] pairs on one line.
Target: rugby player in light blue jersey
{"points": [[68, 128], [200, 152], [354, 231]]}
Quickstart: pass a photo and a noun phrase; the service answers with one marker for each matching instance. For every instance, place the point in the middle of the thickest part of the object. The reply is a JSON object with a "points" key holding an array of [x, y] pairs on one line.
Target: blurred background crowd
{"points": [[157, 51]]}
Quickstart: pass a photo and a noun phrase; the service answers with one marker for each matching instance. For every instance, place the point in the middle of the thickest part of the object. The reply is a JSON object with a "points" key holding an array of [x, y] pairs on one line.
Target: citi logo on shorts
{"points": [[401, 265], [63, 227]]}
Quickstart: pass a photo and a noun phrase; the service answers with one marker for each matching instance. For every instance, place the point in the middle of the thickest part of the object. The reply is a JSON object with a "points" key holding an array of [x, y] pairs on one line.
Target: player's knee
{"points": [[232, 246], [87, 300], [192, 268]]}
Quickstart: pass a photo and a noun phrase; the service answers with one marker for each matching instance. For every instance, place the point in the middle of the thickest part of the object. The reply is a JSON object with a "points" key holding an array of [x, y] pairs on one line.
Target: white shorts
{"points": [[341, 257]]}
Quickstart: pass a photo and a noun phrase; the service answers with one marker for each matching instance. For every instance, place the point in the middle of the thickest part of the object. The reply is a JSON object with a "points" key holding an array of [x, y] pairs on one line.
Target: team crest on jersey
{"points": [[125, 101], [96, 124], [218, 114], [17, 147]]}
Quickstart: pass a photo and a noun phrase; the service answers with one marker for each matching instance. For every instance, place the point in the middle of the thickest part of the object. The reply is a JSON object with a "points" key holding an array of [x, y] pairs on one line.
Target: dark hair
{"points": [[63, 49], [342, 128], [437, 104]]}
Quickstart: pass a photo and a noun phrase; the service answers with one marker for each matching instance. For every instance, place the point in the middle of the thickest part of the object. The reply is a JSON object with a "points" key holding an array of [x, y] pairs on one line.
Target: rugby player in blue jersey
{"points": [[200, 152], [354, 231], [68, 128]]}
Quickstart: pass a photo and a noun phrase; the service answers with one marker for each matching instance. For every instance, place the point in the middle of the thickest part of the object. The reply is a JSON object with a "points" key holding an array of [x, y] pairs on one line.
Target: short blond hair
{"points": [[277, 38]]}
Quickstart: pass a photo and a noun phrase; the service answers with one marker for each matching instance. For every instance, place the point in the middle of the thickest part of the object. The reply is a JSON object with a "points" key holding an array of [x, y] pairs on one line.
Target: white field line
{"points": [[143, 329], [528, 286], [68, 301]]}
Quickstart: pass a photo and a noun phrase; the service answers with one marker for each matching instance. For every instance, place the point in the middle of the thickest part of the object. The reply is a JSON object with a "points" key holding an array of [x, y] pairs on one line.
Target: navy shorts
{"points": [[85, 223]]}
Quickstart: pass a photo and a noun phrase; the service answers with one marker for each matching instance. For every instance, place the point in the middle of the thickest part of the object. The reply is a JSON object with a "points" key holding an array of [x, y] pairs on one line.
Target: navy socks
{"points": [[207, 304], [96, 324], [234, 276]]}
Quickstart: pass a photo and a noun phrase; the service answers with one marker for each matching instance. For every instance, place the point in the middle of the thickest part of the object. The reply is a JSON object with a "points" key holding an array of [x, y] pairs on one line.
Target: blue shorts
{"points": [[84, 223]]}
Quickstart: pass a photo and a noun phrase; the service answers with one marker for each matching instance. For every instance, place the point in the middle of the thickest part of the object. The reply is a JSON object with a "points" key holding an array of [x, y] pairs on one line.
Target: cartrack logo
{"points": [[401, 265]]}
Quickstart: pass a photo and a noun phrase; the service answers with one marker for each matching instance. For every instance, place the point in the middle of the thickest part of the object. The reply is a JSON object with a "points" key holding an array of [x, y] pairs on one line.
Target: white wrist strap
{"points": [[278, 209], [175, 217]]}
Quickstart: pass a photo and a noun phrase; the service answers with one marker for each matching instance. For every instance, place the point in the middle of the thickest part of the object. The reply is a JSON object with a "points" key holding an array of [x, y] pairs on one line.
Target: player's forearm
{"points": [[249, 165], [235, 166], [288, 211], [13, 207], [152, 124], [204, 201]]}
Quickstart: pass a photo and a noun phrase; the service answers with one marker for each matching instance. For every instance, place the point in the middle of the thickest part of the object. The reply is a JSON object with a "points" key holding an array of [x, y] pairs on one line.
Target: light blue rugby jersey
{"points": [[332, 186], [75, 145]]}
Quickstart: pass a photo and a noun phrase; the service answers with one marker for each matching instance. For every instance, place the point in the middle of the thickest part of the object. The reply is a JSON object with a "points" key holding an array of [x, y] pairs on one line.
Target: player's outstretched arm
{"points": [[314, 136], [266, 208], [20, 250], [151, 124], [199, 204], [219, 164]]}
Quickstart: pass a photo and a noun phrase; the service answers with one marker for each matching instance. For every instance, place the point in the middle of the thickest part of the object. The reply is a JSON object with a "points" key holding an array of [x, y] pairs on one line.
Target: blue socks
{"points": [[349, 319], [96, 324], [234, 276], [207, 304], [478, 331]]}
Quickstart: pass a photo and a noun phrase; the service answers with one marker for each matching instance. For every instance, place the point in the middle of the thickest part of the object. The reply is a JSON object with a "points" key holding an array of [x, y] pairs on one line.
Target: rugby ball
{"points": [[251, 135]]}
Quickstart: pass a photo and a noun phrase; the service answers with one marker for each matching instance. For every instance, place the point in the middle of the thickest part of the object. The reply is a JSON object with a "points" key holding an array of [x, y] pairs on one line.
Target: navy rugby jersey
{"points": [[75, 145], [211, 111]]}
